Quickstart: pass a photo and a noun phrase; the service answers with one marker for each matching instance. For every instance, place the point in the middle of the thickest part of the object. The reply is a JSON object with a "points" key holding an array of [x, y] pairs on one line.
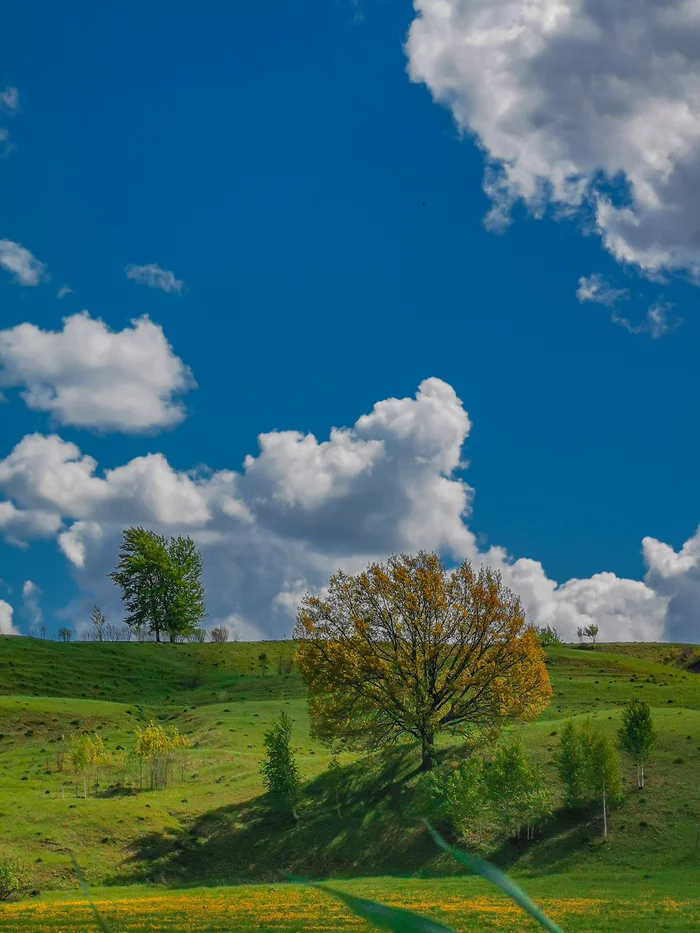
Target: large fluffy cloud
{"points": [[302, 507], [578, 101], [90, 376]]}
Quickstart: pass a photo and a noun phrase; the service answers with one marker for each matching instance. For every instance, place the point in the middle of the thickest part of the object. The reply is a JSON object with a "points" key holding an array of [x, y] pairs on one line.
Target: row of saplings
{"points": [[502, 795], [507, 794], [157, 755]]}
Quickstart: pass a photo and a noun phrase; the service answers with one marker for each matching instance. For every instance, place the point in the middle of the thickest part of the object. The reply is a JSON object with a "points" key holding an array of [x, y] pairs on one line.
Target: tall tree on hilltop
{"points": [[161, 583], [406, 649]]}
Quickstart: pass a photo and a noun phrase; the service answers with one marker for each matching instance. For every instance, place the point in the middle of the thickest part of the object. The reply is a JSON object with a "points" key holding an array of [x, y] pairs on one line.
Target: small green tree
{"points": [[604, 771], [589, 767], [461, 795], [571, 764], [159, 748], [591, 631], [280, 773], [264, 662], [548, 636], [81, 757], [637, 736], [13, 878], [516, 789]]}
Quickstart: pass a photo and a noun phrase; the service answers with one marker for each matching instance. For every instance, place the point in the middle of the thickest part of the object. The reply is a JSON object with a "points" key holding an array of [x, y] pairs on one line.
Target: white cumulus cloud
{"points": [[6, 613], [303, 507], [31, 606], [23, 266], [92, 377], [154, 277], [578, 103]]}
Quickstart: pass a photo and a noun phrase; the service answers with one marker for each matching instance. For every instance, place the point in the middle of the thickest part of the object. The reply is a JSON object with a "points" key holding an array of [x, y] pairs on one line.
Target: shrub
{"points": [[281, 776], [13, 880]]}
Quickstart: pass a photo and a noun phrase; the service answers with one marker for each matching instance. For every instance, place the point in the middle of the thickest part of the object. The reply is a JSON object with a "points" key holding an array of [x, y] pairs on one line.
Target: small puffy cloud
{"points": [[23, 266], [154, 277], [31, 608], [63, 291], [578, 105], [9, 100], [595, 288], [74, 540], [89, 376], [6, 626], [658, 321]]}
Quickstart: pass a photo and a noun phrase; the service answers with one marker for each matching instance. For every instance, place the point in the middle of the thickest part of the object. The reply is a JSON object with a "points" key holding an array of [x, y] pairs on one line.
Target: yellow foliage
{"points": [[408, 649]]}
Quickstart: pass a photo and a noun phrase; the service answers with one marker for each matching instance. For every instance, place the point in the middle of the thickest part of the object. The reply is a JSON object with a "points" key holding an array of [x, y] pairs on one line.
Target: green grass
{"points": [[215, 829]]}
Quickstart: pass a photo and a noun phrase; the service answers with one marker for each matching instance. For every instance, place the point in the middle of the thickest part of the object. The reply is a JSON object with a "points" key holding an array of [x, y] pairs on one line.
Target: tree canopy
{"points": [[161, 583], [407, 649]]}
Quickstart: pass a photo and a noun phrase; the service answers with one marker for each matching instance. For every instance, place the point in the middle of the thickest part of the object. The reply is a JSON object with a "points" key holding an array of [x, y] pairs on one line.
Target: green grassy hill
{"points": [[213, 827]]}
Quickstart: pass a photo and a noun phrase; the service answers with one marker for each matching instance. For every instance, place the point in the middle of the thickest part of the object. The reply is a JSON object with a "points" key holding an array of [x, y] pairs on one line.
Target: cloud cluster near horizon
{"points": [[301, 508]]}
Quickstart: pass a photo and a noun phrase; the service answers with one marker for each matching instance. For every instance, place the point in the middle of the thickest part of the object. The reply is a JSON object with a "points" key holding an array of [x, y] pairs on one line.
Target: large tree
{"points": [[161, 583], [408, 650]]}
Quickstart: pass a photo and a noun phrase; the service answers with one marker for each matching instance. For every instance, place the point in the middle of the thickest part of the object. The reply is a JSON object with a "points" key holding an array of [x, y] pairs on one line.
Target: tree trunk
{"points": [[605, 814], [157, 633], [427, 751], [642, 775]]}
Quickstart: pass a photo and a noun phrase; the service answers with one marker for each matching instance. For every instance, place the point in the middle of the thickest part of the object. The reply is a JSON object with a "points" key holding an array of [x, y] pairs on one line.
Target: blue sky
{"points": [[325, 215]]}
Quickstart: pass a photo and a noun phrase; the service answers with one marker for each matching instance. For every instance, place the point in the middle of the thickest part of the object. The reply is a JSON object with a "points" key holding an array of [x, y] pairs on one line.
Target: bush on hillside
{"points": [[13, 879]]}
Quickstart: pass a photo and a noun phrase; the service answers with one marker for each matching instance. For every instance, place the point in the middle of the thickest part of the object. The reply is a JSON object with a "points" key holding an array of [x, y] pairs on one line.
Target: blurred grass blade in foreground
{"points": [[497, 877], [397, 919], [101, 922]]}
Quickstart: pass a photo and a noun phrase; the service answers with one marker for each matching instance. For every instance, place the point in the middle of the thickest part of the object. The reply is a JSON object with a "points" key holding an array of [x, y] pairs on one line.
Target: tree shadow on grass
{"points": [[372, 831]]}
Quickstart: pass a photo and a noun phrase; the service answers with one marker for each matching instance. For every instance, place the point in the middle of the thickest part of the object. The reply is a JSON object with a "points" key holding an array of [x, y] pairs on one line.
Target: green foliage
{"points": [[589, 767], [13, 878], [158, 748], [86, 753], [637, 736], [506, 793], [161, 583], [604, 771], [264, 662], [280, 774], [571, 764], [461, 795], [548, 636], [516, 789]]}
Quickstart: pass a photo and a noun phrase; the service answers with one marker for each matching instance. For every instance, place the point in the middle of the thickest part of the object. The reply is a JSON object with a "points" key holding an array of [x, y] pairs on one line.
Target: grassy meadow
{"points": [[207, 853]]}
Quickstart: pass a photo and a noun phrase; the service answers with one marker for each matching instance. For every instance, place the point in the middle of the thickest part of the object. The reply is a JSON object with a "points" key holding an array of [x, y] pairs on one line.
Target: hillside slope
{"points": [[213, 825]]}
